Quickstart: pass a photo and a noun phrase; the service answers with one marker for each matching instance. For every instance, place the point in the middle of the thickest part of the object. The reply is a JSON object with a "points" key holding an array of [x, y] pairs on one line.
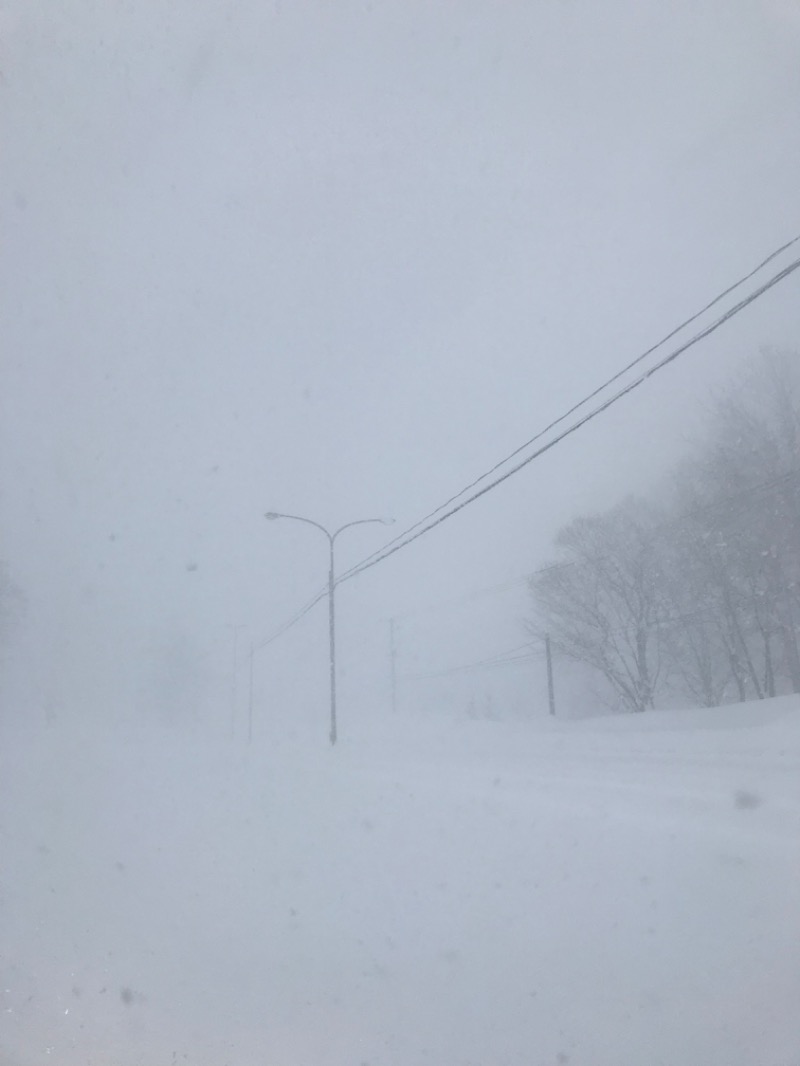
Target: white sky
{"points": [[338, 258]]}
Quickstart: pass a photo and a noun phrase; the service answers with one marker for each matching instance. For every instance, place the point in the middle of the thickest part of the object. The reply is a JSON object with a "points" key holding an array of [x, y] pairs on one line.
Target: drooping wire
{"points": [[405, 539], [776, 482], [508, 658], [392, 546], [292, 621], [592, 395]]}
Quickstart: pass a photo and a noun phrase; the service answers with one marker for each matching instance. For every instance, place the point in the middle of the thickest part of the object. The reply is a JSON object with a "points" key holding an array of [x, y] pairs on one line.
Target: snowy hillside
{"points": [[616, 892]]}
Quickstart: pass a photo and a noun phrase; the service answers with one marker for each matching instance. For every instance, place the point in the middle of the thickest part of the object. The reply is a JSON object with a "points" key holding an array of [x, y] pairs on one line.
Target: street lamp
{"points": [[272, 516]]}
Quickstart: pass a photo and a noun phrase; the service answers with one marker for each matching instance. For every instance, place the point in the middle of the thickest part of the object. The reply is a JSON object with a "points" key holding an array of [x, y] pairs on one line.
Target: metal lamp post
{"points": [[272, 516]]}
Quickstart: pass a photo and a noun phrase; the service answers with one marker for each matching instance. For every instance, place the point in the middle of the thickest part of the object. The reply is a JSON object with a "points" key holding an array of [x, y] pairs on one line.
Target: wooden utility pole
{"points": [[551, 695]]}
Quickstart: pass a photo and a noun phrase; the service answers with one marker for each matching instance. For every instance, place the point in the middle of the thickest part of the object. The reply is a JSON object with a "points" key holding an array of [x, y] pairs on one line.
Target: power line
{"points": [[476, 594], [503, 655], [685, 516], [760, 486], [513, 656], [292, 621], [586, 399], [522, 661], [525, 579], [507, 658], [391, 547]]}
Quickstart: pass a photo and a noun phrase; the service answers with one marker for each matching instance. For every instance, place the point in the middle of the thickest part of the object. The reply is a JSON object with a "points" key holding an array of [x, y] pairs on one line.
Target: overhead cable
{"points": [[508, 658], [590, 396], [392, 546], [405, 539], [292, 621]]}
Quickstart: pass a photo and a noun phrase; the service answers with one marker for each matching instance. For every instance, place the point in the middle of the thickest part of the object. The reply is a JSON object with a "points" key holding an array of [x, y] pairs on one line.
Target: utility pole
{"points": [[551, 695], [332, 637], [272, 515], [393, 663]]}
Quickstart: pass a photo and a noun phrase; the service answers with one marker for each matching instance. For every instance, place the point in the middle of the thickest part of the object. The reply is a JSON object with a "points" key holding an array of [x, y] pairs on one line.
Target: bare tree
{"points": [[752, 467], [600, 603], [694, 647], [704, 596]]}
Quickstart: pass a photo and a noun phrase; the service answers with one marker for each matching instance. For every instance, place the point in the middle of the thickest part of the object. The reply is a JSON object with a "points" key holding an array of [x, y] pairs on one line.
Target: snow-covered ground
{"points": [[615, 892]]}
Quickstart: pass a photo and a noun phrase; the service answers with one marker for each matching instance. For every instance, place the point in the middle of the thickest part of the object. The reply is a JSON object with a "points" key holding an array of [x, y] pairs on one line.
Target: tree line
{"points": [[694, 598]]}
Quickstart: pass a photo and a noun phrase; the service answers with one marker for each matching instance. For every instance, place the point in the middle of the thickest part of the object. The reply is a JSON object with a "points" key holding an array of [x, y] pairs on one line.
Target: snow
{"points": [[614, 892]]}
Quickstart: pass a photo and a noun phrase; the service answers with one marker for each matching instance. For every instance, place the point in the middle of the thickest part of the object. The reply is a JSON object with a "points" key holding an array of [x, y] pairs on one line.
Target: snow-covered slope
{"points": [[616, 892]]}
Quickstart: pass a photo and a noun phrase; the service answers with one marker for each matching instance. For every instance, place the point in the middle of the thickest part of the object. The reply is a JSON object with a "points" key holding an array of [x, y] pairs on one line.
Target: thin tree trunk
{"points": [[769, 671], [790, 650]]}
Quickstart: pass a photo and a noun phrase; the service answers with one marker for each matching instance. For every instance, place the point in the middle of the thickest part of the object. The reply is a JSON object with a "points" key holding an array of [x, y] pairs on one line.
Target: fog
{"points": [[336, 261]]}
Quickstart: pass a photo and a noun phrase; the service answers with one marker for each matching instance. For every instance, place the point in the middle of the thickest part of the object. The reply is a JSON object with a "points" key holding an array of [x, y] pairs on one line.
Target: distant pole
{"points": [[250, 701], [332, 634], [551, 695], [393, 663]]}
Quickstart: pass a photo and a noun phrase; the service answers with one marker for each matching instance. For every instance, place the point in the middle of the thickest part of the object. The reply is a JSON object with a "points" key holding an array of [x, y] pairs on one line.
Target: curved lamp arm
{"points": [[362, 522], [273, 515]]}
